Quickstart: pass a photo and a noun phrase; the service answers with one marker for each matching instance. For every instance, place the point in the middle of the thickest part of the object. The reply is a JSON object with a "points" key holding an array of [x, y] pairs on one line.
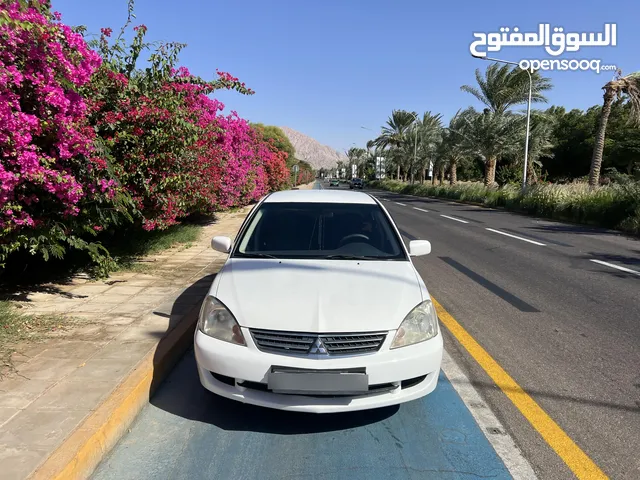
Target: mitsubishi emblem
{"points": [[318, 348]]}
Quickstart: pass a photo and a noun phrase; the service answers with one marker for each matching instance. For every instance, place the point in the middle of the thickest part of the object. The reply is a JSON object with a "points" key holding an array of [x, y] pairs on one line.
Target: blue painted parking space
{"points": [[189, 433]]}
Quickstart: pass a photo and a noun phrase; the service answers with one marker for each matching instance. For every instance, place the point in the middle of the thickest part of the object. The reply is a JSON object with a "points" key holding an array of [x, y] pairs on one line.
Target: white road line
{"points": [[401, 204], [453, 218], [515, 236], [624, 269], [422, 210], [496, 433]]}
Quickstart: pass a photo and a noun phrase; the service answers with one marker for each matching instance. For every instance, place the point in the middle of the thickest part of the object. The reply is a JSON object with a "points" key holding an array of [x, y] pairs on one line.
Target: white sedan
{"points": [[319, 308]]}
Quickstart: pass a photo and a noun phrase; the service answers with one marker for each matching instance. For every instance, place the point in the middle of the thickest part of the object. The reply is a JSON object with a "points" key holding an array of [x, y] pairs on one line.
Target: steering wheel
{"points": [[353, 236]]}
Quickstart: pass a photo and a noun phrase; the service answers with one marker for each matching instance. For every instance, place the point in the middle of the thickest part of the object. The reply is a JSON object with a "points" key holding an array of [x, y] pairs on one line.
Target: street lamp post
{"points": [[526, 140], [375, 157], [415, 148]]}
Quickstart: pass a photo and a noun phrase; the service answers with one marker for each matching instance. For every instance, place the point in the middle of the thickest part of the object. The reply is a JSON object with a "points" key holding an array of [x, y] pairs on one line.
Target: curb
{"points": [[93, 439]]}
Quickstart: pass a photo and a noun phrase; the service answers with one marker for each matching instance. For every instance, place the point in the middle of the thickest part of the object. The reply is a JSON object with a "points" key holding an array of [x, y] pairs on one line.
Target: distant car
{"points": [[334, 182], [319, 308], [356, 183]]}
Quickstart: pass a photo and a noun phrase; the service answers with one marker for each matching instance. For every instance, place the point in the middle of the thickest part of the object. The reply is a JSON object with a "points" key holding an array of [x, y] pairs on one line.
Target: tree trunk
{"points": [[398, 172], [424, 174], [441, 174], [598, 148], [531, 173], [453, 172], [490, 171], [433, 177]]}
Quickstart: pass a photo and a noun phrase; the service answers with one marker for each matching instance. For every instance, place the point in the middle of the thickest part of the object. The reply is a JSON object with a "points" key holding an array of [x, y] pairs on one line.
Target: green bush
{"points": [[612, 206]]}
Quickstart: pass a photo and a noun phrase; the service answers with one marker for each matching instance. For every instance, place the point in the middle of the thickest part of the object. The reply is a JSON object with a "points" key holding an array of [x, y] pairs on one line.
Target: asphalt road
{"points": [[566, 328], [189, 433]]}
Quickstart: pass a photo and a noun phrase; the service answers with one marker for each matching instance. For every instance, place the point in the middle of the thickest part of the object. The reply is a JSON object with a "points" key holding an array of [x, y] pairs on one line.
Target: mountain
{"points": [[312, 151]]}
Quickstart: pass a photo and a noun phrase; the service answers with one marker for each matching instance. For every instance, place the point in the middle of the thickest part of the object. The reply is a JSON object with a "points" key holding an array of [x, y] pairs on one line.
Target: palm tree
{"points": [[616, 88], [372, 160], [356, 156], [395, 132], [452, 148], [503, 87], [540, 142], [490, 136], [429, 130]]}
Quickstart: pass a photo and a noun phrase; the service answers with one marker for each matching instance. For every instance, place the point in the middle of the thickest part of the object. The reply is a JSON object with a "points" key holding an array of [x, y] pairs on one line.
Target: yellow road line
{"points": [[578, 461]]}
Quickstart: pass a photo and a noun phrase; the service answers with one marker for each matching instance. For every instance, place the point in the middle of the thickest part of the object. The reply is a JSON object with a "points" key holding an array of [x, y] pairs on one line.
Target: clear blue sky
{"points": [[328, 67]]}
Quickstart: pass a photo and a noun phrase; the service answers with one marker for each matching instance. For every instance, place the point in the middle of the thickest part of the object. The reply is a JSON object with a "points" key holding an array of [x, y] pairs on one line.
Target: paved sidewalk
{"points": [[57, 384]]}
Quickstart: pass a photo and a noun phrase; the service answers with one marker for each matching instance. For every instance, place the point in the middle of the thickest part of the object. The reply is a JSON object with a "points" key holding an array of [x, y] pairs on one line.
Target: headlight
{"points": [[421, 324], [218, 322]]}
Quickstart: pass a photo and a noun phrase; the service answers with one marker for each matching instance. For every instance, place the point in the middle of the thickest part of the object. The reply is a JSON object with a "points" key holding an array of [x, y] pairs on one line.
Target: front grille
{"points": [[340, 344]]}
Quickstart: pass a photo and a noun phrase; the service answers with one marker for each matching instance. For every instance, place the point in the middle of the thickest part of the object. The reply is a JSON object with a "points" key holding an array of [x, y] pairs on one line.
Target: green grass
{"points": [[16, 327], [127, 247], [127, 250], [614, 206]]}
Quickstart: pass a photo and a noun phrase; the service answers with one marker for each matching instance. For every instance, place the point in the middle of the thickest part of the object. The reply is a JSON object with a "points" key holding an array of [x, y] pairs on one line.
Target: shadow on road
{"points": [[183, 316], [183, 395]]}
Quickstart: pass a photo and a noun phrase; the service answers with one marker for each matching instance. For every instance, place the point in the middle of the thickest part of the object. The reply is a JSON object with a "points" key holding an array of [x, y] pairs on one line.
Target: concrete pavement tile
{"points": [[95, 306], [72, 349], [48, 368], [125, 290], [142, 334], [159, 290], [124, 348], [98, 332], [121, 321], [115, 298], [40, 427], [74, 394], [123, 275], [18, 392], [106, 369], [130, 308], [42, 308], [7, 413], [17, 399], [90, 289], [141, 282], [18, 461], [145, 299]]}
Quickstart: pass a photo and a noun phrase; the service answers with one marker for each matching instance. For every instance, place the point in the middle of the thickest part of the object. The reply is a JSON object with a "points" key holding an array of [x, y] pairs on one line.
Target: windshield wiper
{"points": [[351, 257], [257, 255]]}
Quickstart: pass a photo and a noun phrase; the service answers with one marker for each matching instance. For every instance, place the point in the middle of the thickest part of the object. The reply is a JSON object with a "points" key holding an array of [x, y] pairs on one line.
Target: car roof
{"points": [[320, 196]]}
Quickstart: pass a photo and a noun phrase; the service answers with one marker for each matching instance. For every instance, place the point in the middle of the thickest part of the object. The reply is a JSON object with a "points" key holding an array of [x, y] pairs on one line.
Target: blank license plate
{"points": [[299, 381]]}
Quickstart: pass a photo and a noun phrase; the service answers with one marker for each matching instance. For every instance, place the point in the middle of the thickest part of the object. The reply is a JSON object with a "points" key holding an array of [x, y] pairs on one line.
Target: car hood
{"points": [[318, 295]]}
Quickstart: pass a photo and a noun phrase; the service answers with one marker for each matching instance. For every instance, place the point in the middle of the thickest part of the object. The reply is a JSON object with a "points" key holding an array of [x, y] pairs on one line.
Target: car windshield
{"points": [[320, 231]]}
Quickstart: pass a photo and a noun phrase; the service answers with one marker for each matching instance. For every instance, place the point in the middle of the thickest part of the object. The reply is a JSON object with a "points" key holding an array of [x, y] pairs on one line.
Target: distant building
{"points": [[380, 168]]}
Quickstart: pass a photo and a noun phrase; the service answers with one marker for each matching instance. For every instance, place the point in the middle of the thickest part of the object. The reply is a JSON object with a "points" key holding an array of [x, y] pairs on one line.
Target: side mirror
{"points": [[418, 248], [221, 244]]}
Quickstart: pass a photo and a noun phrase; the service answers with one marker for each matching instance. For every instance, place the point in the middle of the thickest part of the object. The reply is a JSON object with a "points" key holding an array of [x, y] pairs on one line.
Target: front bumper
{"points": [[395, 376]]}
